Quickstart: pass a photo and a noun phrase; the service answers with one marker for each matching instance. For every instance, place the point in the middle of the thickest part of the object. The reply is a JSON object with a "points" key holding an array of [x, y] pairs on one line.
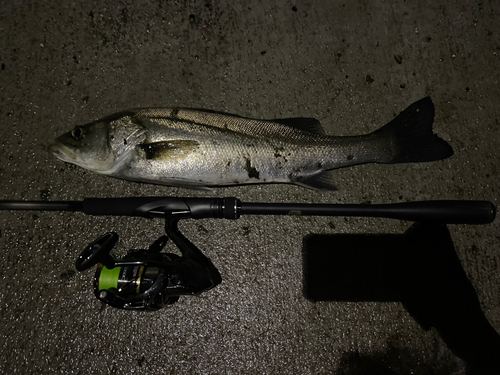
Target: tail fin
{"points": [[411, 135]]}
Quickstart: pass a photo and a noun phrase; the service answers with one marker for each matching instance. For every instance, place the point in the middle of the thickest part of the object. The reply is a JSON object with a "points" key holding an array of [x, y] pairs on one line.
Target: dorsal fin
{"points": [[307, 124]]}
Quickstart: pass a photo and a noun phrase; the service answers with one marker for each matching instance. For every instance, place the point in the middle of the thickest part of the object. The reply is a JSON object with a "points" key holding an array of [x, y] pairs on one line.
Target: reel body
{"points": [[148, 280]]}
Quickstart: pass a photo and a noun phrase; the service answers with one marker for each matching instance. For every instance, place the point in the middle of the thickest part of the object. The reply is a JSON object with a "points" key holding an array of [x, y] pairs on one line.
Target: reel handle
{"points": [[97, 252]]}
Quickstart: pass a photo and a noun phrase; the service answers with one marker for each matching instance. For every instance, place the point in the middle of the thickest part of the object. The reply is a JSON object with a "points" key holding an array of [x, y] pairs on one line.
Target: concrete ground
{"points": [[351, 64]]}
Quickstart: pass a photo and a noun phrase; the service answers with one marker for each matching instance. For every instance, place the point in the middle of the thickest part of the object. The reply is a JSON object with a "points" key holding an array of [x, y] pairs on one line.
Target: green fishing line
{"points": [[109, 278]]}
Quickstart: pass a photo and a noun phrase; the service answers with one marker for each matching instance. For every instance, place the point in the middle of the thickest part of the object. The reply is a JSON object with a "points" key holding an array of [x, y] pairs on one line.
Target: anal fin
{"points": [[320, 181]]}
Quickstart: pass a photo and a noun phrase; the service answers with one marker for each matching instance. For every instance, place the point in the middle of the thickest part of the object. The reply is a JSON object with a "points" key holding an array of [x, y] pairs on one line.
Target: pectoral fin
{"points": [[166, 150]]}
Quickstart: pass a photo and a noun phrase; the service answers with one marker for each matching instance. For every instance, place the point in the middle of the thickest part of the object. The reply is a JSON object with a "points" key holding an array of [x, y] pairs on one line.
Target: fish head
{"points": [[101, 146]]}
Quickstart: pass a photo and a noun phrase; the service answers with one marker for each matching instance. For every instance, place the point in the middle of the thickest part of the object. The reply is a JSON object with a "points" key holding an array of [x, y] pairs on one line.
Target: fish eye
{"points": [[77, 133]]}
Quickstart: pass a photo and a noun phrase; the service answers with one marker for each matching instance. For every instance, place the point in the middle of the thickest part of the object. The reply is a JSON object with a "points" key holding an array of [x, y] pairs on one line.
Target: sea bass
{"points": [[200, 149]]}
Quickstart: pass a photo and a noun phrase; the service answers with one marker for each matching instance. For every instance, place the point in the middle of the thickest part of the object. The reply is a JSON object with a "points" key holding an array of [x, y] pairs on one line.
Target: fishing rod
{"points": [[147, 279], [440, 211]]}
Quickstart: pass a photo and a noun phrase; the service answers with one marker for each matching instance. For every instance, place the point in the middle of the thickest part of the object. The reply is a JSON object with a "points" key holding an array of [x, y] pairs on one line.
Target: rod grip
{"points": [[181, 208], [439, 212]]}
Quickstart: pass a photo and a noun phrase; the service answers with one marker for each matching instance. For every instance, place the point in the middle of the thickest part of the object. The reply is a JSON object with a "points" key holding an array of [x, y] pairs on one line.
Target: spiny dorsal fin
{"points": [[307, 124]]}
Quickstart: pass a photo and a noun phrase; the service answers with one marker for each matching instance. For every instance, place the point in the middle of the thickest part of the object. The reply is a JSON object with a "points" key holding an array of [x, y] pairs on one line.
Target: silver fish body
{"points": [[199, 149]]}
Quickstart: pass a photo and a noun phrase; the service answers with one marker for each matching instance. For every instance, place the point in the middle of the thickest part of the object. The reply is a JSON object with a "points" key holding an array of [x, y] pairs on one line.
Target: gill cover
{"points": [[101, 146]]}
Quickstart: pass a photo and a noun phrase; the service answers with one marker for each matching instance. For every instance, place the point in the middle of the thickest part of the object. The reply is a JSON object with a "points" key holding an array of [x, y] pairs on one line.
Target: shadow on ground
{"points": [[421, 270]]}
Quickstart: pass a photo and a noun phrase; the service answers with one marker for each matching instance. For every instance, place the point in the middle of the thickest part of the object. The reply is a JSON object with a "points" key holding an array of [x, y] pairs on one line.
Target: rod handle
{"points": [[445, 211]]}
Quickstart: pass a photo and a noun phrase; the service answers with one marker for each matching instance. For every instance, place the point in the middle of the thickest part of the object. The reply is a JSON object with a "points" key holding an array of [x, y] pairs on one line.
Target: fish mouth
{"points": [[62, 152], [68, 155], [72, 156]]}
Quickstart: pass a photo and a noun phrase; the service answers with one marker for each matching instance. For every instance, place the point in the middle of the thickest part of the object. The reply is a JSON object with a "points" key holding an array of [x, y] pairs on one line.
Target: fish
{"points": [[201, 149]]}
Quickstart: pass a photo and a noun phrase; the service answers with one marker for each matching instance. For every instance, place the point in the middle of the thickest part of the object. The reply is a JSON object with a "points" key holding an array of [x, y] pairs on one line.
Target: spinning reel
{"points": [[148, 279]]}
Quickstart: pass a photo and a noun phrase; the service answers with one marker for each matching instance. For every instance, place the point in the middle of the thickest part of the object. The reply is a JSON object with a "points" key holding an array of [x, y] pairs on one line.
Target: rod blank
{"points": [[41, 205]]}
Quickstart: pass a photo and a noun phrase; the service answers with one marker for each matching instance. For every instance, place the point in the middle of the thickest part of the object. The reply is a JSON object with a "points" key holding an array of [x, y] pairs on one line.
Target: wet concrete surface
{"points": [[352, 65]]}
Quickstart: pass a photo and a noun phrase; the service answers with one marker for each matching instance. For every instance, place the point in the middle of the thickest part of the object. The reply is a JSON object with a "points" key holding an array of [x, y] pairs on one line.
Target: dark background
{"points": [[353, 65]]}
